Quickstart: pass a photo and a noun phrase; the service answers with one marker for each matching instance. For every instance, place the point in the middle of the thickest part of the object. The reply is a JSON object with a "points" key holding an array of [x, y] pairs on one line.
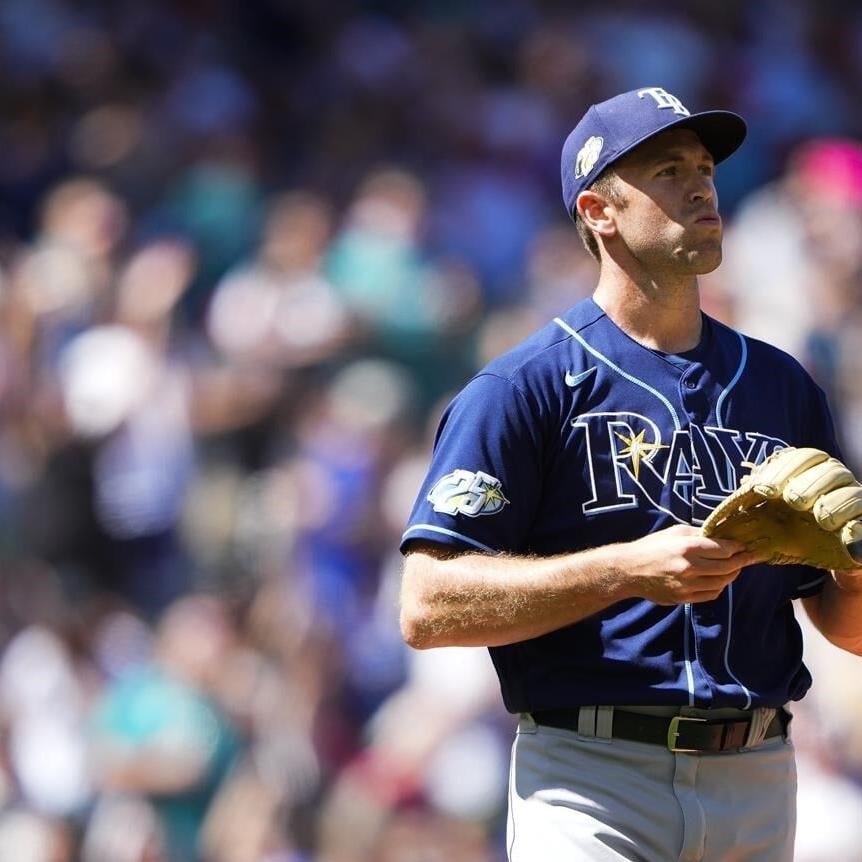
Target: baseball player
{"points": [[558, 526]]}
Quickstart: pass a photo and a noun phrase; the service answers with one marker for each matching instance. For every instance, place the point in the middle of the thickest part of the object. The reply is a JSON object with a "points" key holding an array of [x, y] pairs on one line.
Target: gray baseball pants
{"points": [[580, 798]]}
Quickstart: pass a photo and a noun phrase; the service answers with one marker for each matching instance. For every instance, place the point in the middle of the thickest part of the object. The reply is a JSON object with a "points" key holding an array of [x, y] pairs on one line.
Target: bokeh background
{"points": [[247, 250]]}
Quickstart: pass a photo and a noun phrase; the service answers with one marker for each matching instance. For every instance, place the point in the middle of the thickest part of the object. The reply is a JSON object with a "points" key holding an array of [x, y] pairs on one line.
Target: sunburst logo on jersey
{"points": [[637, 448]]}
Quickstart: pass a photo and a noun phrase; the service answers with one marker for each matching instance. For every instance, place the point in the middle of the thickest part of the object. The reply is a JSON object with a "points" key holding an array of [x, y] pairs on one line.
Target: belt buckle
{"points": [[673, 732]]}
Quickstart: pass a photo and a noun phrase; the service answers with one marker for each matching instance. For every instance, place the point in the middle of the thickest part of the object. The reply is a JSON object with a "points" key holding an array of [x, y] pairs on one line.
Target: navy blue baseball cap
{"points": [[610, 129]]}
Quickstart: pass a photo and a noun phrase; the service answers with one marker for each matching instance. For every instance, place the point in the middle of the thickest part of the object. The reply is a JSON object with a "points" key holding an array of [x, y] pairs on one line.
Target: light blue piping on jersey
{"points": [[718, 418], [689, 675], [446, 532], [727, 646], [726, 391], [619, 370]]}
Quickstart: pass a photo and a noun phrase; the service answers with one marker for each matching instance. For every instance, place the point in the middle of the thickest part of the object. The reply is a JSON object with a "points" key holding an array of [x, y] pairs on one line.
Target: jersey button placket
{"points": [[692, 395], [693, 403]]}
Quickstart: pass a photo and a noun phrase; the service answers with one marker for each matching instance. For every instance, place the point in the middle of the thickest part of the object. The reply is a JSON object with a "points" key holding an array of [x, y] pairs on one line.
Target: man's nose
{"points": [[702, 189]]}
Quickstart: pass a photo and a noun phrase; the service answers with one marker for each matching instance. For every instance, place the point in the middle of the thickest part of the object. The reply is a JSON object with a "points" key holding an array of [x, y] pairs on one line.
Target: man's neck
{"points": [[662, 316]]}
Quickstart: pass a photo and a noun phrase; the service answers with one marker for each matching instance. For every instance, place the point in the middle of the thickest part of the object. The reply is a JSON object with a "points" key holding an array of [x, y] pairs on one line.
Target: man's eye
{"points": [[669, 171], [707, 170]]}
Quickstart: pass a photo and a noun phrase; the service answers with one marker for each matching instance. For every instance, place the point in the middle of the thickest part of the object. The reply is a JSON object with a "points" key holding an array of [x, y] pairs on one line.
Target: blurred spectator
{"points": [[791, 239], [794, 254], [829, 750], [407, 305], [26, 835], [216, 204], [159, 734], [559, 271], [120, 393], [60, 283], [343, 443], [150, 285], [279, 310], [406, 762], [42, 708]]}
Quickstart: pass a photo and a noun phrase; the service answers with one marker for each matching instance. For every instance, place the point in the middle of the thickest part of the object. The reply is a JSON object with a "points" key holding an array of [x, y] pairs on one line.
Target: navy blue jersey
{"points": [[580, 437]]}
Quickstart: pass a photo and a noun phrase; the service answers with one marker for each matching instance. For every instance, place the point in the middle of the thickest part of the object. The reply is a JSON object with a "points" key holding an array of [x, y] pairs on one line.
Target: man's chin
{"points": [[704, 259], [708, 264]]}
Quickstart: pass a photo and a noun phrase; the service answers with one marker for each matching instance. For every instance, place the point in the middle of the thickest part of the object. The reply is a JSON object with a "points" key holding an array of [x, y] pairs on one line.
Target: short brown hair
{"points": [[605, 184]]}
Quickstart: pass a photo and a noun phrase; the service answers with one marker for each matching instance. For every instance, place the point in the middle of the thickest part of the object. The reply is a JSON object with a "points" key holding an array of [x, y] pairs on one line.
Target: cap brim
{"points": [[722, 132]]}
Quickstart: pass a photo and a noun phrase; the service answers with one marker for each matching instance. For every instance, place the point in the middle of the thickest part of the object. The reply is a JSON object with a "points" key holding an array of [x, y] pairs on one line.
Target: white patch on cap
{"points": [[588, 155], [665, 100]]}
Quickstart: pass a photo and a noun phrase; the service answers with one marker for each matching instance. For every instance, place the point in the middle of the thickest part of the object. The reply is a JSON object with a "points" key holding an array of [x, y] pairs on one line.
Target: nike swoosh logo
{"points": [[573, 380]]}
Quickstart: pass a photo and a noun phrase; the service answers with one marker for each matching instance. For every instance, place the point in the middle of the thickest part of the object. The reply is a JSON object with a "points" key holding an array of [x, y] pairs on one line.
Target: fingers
{"points": [[709, 589], [718, 568], [716, 549], [711, 555], [694, 590], [705, 596], [681, 530], [697, 544], [680, 564]]}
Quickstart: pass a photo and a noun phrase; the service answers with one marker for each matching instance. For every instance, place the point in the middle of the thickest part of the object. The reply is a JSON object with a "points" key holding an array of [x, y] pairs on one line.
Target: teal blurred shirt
{"points": [[150, 711]]}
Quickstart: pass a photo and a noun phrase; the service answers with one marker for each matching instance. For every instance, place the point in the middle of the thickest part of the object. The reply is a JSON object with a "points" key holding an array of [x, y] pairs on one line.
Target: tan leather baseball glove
{"points": [[798, 506]]}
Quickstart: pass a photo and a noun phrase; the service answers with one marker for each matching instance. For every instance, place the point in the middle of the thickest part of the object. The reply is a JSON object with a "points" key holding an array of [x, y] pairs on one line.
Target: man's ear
{"points": [[597, 213]]}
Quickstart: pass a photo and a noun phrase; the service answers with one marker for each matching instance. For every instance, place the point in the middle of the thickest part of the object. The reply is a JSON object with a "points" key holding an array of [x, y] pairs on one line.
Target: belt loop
{"points": [[527, 724], [761, 717], [604, 722], [786, 720], [587, 721]]}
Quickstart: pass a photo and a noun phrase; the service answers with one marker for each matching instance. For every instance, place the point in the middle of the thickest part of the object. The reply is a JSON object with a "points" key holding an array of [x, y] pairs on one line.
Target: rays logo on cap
{"points": [[588, 155], [467, 493], [665, 100]]}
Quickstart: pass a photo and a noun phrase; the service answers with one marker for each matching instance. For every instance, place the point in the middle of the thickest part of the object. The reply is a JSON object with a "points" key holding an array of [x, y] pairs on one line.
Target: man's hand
{"points": [[836, 610], [680, 565]]}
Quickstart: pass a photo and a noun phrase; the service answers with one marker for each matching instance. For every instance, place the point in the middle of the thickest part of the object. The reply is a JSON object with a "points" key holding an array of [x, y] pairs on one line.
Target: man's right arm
{"points": [[470, 599]]}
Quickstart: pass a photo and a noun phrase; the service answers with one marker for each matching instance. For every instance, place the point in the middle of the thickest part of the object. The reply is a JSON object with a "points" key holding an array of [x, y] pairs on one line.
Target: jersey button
{"points": [[690, 384]]}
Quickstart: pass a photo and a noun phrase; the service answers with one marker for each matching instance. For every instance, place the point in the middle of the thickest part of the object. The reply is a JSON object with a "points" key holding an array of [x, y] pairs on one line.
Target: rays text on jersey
{"points": [[629, 465]]}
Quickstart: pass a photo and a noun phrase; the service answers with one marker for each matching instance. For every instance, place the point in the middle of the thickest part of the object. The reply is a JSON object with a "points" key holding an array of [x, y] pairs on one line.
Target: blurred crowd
{"points": [[247, 251]]}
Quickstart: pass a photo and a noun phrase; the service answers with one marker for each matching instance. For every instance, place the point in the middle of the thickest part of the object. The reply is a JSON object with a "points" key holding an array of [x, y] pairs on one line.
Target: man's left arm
{"points": [[837, 610]]}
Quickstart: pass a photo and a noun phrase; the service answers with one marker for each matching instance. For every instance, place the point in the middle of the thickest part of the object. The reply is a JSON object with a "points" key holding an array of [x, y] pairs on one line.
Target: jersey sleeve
{"points": [[483, 485], [821, 435]]}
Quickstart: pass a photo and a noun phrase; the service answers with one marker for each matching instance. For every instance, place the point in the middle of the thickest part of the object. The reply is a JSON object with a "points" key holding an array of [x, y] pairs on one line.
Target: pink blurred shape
{"points": [[833, 168]]}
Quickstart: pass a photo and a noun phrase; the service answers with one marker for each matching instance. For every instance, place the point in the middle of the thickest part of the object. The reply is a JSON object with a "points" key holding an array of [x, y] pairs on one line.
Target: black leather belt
{"points": [[677, 733]]}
